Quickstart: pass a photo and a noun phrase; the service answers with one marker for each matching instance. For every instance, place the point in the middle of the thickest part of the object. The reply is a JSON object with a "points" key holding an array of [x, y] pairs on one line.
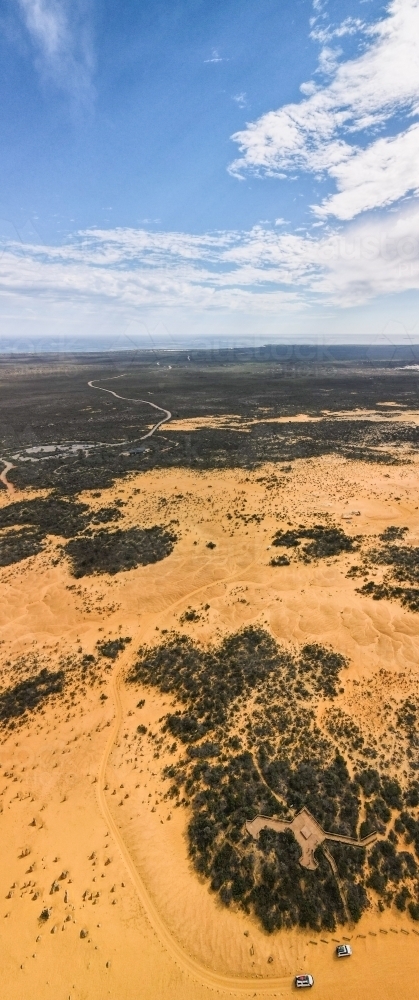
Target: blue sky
{"points": [[208, 170]]}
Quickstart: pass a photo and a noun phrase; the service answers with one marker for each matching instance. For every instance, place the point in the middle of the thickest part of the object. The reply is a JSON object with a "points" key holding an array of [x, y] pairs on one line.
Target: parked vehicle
{"points": [[302, 981], [343, 950]]}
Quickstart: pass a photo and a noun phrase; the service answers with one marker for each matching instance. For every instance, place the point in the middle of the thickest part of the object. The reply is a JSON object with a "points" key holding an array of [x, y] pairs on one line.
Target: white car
{"points": [[343, 950], [303, 981]]}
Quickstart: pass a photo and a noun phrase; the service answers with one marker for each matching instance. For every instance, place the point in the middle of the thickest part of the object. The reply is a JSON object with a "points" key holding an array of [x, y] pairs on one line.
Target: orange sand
{"points": [[160, 933]]}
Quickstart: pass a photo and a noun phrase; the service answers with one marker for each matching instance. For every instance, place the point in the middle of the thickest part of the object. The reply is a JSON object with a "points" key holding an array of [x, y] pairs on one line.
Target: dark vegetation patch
{"points": [[403, 559], [220, 448], [18, 545], [50, 515], [401, 581], [390, 869], [324, 542], [29, 694], [408, 596], [35, 684], [114, 552], [105, 515], [280, 561], [251, 744], [392, 533], [65, 411], [190, 615], [112, 647]]}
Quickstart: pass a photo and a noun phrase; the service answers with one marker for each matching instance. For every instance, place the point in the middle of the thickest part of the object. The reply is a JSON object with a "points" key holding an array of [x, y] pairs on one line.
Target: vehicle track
{"points": [[205, 976], [131, 400]]}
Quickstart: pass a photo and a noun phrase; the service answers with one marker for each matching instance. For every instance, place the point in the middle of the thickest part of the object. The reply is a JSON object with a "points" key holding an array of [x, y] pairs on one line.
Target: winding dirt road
{"points": [[3, 475], [205, 976], [131, 400]]}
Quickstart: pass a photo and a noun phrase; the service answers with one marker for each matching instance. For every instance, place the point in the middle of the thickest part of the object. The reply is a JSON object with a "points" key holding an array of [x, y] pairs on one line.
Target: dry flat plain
{"points": [[118, 877]]}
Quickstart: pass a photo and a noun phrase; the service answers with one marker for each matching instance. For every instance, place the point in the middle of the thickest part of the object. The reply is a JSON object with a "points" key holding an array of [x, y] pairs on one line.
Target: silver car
{"points": [[343, 950], [302, 982]]}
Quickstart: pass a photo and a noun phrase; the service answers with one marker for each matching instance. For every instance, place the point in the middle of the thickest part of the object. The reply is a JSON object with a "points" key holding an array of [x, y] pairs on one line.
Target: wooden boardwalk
{"points": [[307, 832]]}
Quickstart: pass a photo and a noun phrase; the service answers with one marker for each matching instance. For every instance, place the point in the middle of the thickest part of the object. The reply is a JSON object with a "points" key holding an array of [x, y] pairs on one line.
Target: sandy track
{"points": [[129, 399], [188, 964], [3, 475]]}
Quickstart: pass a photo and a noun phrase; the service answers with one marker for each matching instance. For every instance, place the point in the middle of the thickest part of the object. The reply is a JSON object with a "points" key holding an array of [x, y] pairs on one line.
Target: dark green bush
{"points": [[324, 541], [50, 515], [18, 545], [112, 647], [29, 694], [113, 552]]}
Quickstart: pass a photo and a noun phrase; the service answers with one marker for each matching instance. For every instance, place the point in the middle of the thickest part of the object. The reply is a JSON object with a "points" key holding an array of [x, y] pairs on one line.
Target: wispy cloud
{"points": [[61, 36], [240, 99], [262, 271], [333, 131], [326, 33], [215, 57]]}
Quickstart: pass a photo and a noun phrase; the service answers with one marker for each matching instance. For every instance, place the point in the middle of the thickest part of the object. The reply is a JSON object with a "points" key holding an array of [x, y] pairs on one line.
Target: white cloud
{"points": [[260, 272], [328, 60], [374, 177], [376, 90], [371, 259], [215, 57], [326, 34], [60, 32]]}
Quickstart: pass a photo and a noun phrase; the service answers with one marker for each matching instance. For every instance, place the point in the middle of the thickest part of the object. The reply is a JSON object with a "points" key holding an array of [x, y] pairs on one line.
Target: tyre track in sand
{"points": [[188, 964]]}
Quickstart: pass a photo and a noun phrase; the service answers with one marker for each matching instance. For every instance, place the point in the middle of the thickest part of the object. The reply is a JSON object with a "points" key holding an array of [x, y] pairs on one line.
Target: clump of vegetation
{"points": [[279, 561], [324, 541], [117, 551], [51, 515], [190, 615], [392, 533], [207, 680], [407, 718], [322, 666], [112, 647], [388, 869], [401, 582], [295, 895], [403, 559], [18, 545], [283, 767], [251, 745], [408, 596], [106, 514], [29, 694]]}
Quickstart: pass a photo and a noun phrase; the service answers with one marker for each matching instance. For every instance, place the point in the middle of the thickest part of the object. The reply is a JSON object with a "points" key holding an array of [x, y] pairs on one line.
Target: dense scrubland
{"points": [[250, 743], [103, 434]]}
